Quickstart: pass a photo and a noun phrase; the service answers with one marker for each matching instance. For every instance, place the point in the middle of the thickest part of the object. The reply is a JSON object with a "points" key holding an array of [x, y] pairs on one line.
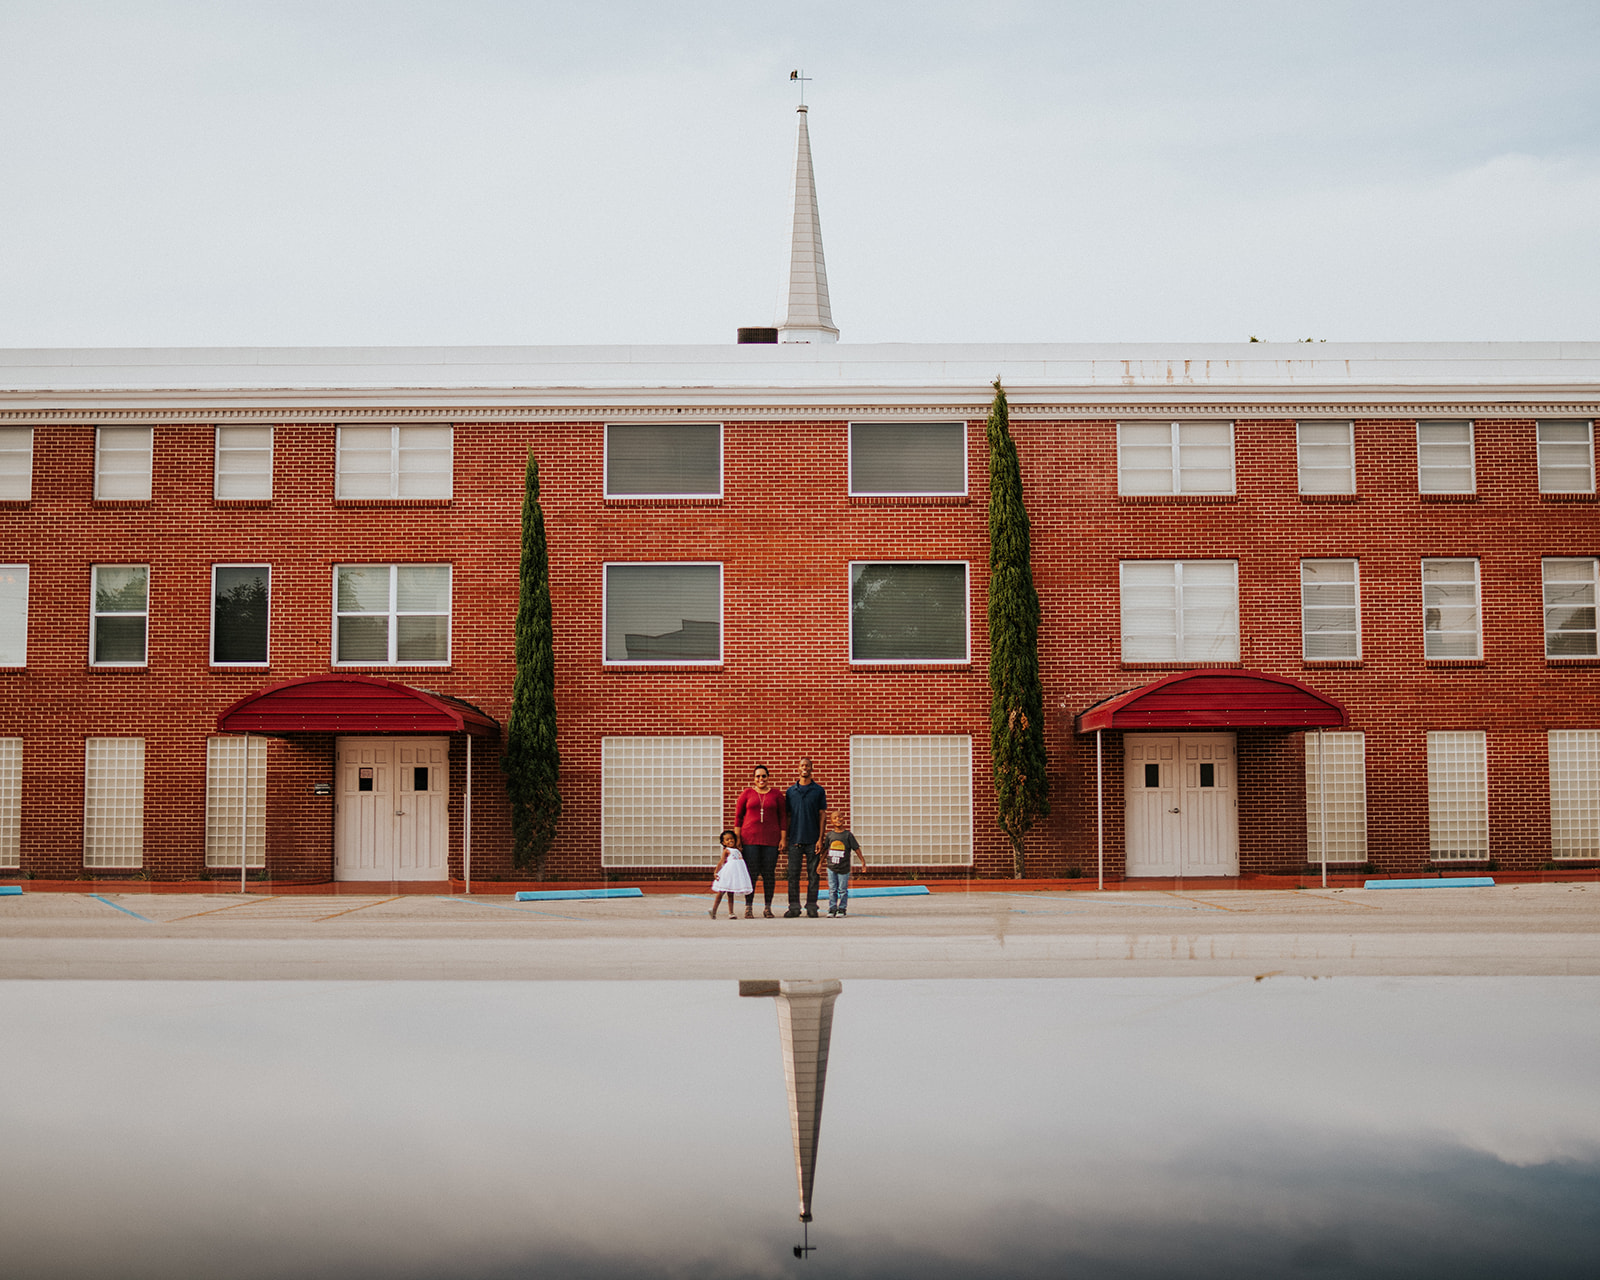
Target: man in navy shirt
{"points": [[808, 804]]}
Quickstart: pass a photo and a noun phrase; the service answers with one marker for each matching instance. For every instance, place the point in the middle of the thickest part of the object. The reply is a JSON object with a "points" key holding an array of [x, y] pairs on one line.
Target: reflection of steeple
{"points": [[805, 1026]]}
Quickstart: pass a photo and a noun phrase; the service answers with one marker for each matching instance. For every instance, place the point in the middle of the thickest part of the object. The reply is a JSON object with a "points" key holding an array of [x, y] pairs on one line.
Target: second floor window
{"points": [[122, 458], [240, 607], [1174, 457], [396, 462], [1180, 610], [908, 612], [13, 615], [664, 612], [1330, 610], [1444, 458], [392, 613], [1451, 627], [1569, 607], [121, 621]]}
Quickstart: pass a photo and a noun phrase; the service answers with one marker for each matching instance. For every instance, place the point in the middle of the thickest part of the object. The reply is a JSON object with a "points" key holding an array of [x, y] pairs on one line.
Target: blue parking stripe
{"points": [[98, 898]]}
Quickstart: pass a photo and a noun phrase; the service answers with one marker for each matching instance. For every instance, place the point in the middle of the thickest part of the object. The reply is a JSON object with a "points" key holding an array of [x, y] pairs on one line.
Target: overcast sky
{"points": [[229, 172]]}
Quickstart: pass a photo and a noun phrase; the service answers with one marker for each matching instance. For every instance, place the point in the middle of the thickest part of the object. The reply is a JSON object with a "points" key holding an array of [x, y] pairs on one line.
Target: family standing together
{"points": [[766, 824]]}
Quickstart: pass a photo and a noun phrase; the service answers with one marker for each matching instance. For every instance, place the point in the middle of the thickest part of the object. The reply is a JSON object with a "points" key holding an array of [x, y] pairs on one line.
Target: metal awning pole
{"points": [[1322, 803], [466, 824], [1100, 805], [244, 815]]}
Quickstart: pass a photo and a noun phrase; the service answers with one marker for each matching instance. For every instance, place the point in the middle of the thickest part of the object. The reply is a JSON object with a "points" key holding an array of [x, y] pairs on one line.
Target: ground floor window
{"points": [[1575, 793], [10, 803], [113, 802], [660, 801], [1458, 797], [236, 802], [1338, 762], [911, 798]]}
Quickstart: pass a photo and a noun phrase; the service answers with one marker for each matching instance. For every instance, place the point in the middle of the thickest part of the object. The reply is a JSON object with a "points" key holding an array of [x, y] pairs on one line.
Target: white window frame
{"points": [[1588, 453], [1179, 634], [902, 809], [605, 469], [117, 443], [1477, 608], [1306, 609], [266, 659], [16, 619], [1593, 566], [1177, 469], [16, 464], [225, 448], [95, 614], [394, 614], [1338, 760], [906, 493], [1472, 455], [1458, 796], [10, 804], [605, 613], [850, 625], [235, 765], [1311, 456], [666, 811], [113, 802], [398, 471], [1575, 794]]}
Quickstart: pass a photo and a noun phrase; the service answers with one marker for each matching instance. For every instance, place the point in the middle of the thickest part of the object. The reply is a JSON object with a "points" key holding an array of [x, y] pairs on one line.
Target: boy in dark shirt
{"points": [[837, 846]]}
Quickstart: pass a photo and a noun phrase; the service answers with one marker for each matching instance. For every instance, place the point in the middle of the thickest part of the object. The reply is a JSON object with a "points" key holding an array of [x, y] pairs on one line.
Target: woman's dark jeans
{"points": [[762, 859]]}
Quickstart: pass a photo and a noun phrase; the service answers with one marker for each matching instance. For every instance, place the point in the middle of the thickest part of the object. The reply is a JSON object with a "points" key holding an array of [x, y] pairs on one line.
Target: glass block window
{"points": [[1339, 762], [908, 458], [121, 621], [122, 457], [16, 464], [912, 612], [13, 615], [113, 802], [1569, 606], [1566, 456], [1575, 793], [243, 463], [236, 802], [663, 613], [1330, 609], [1174, 457], [1327, 457], [388, 613], [241, 598], [1444, 458], [664, 460], [1458, 797], [10, 803], [1450, 623], [396, 462], [911, 799], [660, 802], [1180, 610]]}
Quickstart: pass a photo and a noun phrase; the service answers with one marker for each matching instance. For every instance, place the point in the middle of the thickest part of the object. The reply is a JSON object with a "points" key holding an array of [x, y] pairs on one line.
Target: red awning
{"points": [[1218, 699], [353, 704]]}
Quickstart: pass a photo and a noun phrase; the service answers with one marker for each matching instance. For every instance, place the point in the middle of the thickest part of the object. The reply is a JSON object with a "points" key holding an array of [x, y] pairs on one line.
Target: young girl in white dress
{"points": [[732, 875]]}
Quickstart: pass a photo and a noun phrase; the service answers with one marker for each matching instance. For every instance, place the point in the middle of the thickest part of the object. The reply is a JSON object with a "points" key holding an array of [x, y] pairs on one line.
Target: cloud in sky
{"points": [[493, 171]]}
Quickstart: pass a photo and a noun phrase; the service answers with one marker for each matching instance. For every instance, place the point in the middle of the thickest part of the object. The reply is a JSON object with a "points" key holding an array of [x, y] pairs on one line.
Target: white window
{"points": [[10, 803], [241, 600], [1174, 457], [1575, 793], [911, 798], [122, 464], [13, 615], [1338, 763], [1330, 609], [908, 458], [664, 460], [1326, 456], [243, 463], [912, 611], [113, 802], [16, 464], [660, 802], [1566, 456], [1180, 610], [1569, 606], [389, 613], [396, 462], [663, 613], [119, 629], [1450, 623], [236, 802], [1444, 458], [1458, 797]]}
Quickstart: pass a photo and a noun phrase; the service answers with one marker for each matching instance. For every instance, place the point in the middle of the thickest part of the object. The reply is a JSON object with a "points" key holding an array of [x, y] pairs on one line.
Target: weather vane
{"points": [[795, 75]]}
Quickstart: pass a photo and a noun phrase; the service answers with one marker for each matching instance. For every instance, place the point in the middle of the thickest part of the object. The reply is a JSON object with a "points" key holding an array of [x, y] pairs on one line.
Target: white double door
{"points": [[1183, 804], [393, 819]]}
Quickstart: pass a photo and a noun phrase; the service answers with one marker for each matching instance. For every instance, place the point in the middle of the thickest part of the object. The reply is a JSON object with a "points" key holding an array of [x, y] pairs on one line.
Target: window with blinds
{"points": [[1330, 610], [908, 459], [911, 798], [16, 464], [1575, 793], [669, 613], [13, 615], [1444, 458], [113, 802], [119, 626], [122, 464], [912, 611], [660, 802], [396, 462], [664, 460], [392, 613], [1336, 764], [1569, 606], [1175, 457], [1325, 454], [1458, 797], [243, 465], [1180, 610], [1566, 455], [1450, 623]]}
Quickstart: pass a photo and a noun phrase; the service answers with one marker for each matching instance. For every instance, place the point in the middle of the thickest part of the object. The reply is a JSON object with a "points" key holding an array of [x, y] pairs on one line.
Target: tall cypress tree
{"points": [[1016, 705], [532, 763]]}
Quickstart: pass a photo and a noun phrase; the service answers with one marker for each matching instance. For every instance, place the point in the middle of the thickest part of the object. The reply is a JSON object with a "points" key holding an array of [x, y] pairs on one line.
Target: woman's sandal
{"points": [[749, 913], [768, 914]]}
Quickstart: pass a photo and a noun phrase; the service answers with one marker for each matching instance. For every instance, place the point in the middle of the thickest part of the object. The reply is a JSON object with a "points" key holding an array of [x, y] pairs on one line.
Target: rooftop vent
{"points": [[758, 335]]}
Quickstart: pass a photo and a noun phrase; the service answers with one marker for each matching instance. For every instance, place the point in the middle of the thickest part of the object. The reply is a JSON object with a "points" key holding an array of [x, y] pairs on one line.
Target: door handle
{"points": [[400, 813], [1172, 811]]}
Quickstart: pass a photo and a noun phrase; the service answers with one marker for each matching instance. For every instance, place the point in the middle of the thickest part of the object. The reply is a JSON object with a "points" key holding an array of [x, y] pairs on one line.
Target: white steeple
{"points": [[808, 317]]}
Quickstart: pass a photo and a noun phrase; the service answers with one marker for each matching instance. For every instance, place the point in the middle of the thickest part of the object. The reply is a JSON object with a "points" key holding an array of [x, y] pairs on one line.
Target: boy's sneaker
{"points": [[832, 912]]}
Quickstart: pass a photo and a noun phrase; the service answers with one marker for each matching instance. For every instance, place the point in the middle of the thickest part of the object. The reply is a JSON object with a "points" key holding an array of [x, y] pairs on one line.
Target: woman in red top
{"points": [[760, 820]]}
